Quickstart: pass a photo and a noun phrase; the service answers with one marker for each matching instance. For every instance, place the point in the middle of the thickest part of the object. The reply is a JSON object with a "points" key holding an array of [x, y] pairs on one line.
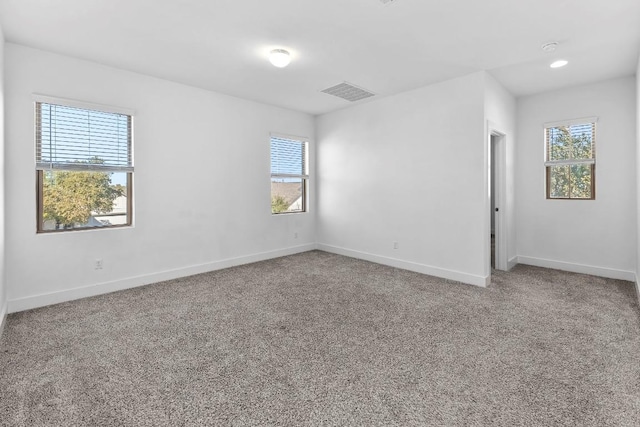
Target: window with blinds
{"points": [[570, 148], [84, 166], [289, 175]]}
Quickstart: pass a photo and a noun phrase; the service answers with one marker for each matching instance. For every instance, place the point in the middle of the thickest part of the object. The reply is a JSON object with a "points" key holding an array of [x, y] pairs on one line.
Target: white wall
{"points": [[500, 115], [202, 189], [598, 236], [3, 292], [409, 168]]}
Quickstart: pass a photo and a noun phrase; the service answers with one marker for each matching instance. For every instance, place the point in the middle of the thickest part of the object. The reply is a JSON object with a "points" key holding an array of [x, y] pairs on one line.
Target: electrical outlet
{"points": [[395, 245], [98, 264]]}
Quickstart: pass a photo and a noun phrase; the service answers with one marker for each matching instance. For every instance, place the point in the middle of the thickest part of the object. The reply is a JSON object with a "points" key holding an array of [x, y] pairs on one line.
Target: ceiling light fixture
{"points": [[279, 58], [559, 63]]}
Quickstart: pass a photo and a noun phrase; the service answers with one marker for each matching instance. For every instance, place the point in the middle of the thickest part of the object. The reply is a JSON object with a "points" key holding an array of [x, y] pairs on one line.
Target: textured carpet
{"points": [[320, 339]]}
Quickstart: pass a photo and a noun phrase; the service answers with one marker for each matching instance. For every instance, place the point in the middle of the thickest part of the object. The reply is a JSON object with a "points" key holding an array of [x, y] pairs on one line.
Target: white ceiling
{"points": [[222, 45]]}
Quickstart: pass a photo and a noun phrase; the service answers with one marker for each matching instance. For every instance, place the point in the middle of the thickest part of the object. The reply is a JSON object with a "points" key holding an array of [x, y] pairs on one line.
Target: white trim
{"points": [[75, 166], [82, 104], [637, 288], [457, 276], [591, 161], [610, 273], [288, 136], [289, 175], [571, 122], [512, 263], [27, 303], [4, 310]]}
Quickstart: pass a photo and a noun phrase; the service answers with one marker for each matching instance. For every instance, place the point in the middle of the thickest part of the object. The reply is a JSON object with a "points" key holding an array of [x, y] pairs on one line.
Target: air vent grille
{"points": [[348, 91]]}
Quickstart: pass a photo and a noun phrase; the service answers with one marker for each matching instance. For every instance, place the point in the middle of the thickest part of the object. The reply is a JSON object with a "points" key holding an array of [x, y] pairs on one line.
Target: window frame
{"points": [[304, 177], [591, 161], [44, 99]]}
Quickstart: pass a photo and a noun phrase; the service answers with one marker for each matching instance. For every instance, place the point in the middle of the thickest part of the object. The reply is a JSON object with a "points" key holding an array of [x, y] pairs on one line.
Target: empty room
{"points": [[300, 213]]}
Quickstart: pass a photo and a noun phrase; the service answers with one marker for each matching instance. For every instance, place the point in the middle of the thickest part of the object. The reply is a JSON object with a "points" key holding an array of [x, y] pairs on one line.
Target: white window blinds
{"points": [[288, 158], [572, 142], [75, 138]]}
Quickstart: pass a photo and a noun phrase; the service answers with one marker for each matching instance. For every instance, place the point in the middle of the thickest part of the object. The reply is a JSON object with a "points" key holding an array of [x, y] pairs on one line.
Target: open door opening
{"points": [[497, 205], [492, 196]]}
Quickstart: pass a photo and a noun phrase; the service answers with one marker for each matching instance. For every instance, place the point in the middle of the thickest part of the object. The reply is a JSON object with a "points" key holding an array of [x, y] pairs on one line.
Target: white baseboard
{"points": [[512, 263], [4, 310], [35, 301], [409, 265], [578, 268], [637, 289]]}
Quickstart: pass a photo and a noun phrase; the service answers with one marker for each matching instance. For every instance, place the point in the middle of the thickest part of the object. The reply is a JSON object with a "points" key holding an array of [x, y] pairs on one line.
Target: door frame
{"points": [[500, 196]]}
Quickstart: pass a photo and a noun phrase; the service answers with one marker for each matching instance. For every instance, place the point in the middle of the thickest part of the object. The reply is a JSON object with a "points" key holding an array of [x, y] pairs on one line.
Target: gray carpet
{"points": [[320, 339]]}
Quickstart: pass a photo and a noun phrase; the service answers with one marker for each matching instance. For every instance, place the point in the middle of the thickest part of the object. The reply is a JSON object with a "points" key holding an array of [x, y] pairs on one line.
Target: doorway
{"points": [[497, 201], [492, 195]]}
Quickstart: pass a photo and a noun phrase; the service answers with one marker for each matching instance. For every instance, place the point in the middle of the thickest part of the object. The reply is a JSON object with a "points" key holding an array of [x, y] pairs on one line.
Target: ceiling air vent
{"points": [[348, 91]]}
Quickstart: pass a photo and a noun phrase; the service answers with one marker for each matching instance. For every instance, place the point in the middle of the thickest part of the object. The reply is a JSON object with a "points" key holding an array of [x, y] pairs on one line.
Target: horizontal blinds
{"points": [[82, 139], [571, 144], [288, 158]]}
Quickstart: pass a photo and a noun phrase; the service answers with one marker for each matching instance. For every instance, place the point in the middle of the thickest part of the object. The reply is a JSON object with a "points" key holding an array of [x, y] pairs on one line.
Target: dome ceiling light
{"points": [[279, 58]]}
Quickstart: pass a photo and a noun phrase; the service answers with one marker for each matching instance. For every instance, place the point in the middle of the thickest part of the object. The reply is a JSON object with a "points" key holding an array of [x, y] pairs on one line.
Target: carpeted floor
{"points": [[320, 339]]}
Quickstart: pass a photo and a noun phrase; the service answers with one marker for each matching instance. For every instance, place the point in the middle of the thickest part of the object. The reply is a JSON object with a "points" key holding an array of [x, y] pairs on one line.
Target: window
{"points": [[571, 159], [289, 175], [84, 166]]}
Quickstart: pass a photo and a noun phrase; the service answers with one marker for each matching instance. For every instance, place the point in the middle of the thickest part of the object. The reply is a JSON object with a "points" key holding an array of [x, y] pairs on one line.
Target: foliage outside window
{"points": [[84, 167], [289, 175], [571, 159]]}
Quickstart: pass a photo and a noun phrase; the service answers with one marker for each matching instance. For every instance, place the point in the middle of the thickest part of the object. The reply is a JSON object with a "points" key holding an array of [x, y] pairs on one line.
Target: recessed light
{"points": [[279, 58], [559, 63]]}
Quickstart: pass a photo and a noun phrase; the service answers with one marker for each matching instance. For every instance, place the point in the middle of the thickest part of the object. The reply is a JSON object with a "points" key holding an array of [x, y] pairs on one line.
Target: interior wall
{"points": [[410, 169], [3, 292], [589, 236], [201, 183], [500, 114]]}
